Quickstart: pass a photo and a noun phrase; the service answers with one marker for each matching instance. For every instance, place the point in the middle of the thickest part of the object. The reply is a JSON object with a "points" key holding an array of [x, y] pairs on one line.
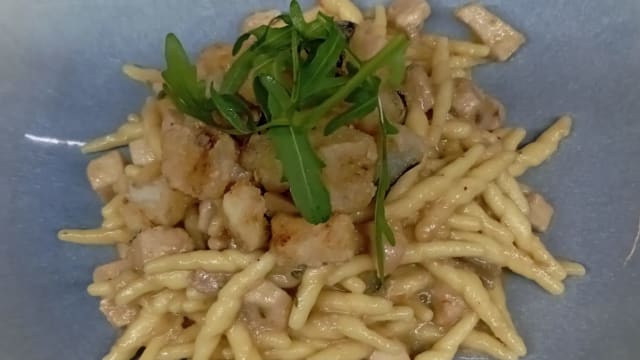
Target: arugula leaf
{"points": [[230, 107], [302, 168], [322, 91], [383, 231], [297, 17], [181, 82], [355, 112], [237, 73], [278, 100], [239, 42], [323, 63], [312, 116]]}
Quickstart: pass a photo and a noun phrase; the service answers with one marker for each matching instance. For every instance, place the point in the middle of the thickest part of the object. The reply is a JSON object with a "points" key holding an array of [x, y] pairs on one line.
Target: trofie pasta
{"points": [[333, 186]]}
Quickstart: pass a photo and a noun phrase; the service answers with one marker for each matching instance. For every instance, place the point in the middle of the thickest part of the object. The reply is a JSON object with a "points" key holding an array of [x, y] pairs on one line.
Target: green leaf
{"points": [[270, 38], [231, 107], [181, 82], [239, 42], [367, 90], [262, 97], [303, 170], [355, 112], [237, 73], [322, 91], [323, 62], [297, 17], [278, 98], [295, 65]]}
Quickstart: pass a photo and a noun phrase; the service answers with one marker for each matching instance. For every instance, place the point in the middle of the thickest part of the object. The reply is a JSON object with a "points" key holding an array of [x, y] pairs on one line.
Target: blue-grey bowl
{"points": [[60, 79]]}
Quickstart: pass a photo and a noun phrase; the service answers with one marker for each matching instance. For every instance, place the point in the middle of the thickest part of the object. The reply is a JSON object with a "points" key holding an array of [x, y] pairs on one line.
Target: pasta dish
{"points": [[334, 185]]}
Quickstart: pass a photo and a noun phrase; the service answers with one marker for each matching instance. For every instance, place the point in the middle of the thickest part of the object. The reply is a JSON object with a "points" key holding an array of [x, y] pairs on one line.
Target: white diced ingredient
{"points": [[503, 39], [105, 170], [141, 153]]}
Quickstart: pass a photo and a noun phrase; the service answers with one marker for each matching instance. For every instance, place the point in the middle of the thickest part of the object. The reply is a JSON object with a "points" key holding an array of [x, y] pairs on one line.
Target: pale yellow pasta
{"points": [[347, 350], [153, 347], [540, 150], [459, 73], [99, 236], [297, 351], [351, 268], [174, 280], [150, 320], [496, 292], [405, 182], [354, 284], [418, 252], [222, 313], [573, 268], [208, 260], [320, 326], [490, 226], [396, 329], [272, 339], [101, 289], [464, 222], [441, 107], [176, 352], [312, 282], [485, 343], [354, 304], [446, 347], [441, 77], [432, 187], [408, 279], [518, 223], [356, 329], [420, 310], [460, 47], [514, 259], [143, 75], [511, 188], [241, 343], [398, 313], [416, 120], [476, 296], [440, 65], [125, 134], [187, 335], [191, 306], [463, 192], [427, 333], [513, 138], [108, 288]]}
